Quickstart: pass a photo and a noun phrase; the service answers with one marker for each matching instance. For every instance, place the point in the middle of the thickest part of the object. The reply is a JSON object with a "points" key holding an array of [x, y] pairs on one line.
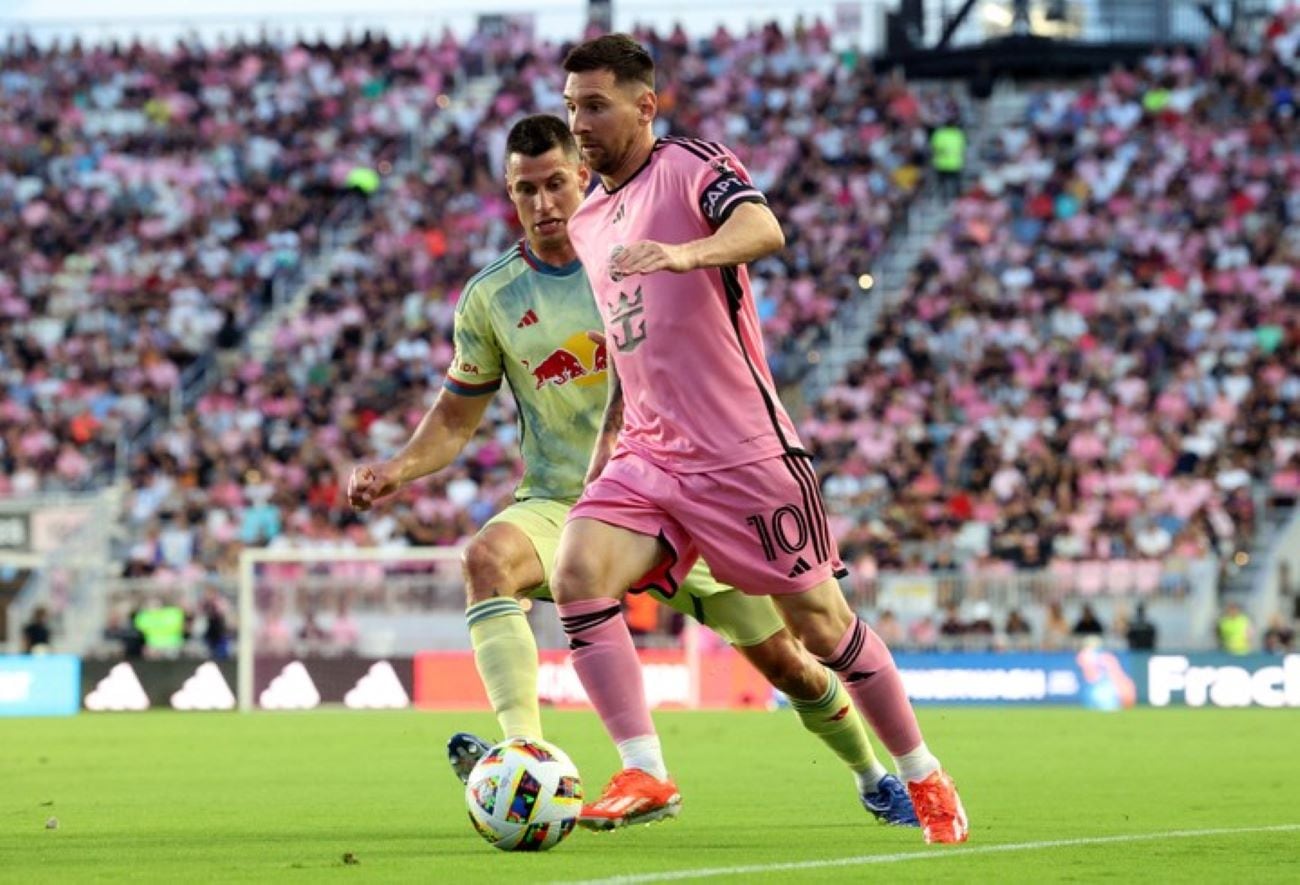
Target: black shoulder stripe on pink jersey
{"points": [[711, 149], [677, 142], [717, 149]]}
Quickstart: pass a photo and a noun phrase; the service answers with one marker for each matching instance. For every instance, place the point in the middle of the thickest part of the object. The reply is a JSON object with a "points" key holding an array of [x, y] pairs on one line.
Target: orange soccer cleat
{"points": [[632, 797], [939, 808]]}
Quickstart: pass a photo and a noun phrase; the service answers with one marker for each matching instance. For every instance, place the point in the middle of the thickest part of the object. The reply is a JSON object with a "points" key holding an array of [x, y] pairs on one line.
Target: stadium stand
{"points": [[1093, 368], [353, 371]]}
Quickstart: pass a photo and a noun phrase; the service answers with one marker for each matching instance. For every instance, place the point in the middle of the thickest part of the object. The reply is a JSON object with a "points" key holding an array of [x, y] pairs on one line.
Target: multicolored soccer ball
{"points": [[524, 795]]}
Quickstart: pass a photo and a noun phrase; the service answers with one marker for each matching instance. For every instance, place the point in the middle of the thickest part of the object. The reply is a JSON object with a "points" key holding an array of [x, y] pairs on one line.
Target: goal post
{"points": [[251, 559], [406, 606]]}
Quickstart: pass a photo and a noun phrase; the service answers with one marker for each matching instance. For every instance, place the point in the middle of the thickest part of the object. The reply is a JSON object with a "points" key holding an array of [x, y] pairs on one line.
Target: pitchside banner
{"points": [[134, 686], [1094, 678], [307, 682], [39, 685], [448, 680], [1219, 680], [279, 683]]}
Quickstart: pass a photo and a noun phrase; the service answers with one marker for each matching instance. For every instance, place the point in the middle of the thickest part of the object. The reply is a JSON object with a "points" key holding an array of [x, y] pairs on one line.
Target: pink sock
{"points": [[606, 662], [867, 669]]}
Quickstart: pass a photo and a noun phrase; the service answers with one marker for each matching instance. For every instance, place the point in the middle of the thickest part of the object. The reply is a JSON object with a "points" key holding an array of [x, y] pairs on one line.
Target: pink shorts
{"points": [[761, 527]]}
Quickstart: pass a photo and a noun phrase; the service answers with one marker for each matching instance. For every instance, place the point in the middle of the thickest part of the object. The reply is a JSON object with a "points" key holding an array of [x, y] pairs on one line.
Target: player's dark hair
{"points": [[619, 53], [535, 135]]}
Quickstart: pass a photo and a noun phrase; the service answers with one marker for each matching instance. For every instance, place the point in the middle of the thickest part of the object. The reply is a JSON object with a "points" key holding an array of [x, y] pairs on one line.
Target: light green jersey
{"points": [[527, 322]]}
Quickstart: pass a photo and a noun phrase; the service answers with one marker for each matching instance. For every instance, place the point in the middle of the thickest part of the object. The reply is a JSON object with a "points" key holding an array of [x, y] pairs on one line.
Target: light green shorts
{"points": [[739, 619]]}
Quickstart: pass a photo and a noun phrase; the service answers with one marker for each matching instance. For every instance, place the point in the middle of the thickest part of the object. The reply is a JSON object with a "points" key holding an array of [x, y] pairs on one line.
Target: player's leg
{"points": [[595, 565], [507, 558], [510, 557], [753, 626], [616, 536], [830, 715], [763, 529], [823, 622]]}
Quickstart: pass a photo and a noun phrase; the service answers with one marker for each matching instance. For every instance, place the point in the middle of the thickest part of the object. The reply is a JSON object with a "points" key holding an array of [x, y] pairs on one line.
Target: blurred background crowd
{"points": [[229, 273]]}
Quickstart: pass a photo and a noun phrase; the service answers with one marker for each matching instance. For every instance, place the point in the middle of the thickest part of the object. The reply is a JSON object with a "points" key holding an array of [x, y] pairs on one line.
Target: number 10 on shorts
{"points": [[787, 528]]}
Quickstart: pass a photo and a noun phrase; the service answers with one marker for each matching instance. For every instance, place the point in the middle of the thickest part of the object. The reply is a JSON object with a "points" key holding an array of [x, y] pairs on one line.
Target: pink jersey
{"points": [[688, 349]]}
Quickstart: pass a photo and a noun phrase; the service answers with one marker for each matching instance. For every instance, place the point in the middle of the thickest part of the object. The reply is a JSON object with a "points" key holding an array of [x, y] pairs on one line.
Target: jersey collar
{"points": [[541, 266], [650, 156]]}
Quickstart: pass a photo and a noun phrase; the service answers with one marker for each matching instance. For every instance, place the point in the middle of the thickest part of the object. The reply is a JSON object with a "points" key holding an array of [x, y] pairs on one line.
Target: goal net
{"points": [[375, 628]]}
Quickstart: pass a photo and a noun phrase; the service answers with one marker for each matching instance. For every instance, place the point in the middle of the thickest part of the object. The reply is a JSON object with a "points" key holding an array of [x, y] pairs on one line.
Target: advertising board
{"points": [[39, 685]]}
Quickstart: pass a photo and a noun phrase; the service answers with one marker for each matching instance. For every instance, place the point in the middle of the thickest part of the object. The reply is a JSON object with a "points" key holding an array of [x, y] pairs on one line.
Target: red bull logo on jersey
{"points": [[579, 359]]}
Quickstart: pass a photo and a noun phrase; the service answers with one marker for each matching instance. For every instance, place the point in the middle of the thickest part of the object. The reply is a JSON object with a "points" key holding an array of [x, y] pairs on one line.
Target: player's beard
{"points": [[601, 161]]}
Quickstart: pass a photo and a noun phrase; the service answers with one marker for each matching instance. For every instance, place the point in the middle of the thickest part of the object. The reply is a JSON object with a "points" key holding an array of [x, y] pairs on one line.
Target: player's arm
{"points": [[611, 425], [475, 373], [442, 433], [749, 233]]}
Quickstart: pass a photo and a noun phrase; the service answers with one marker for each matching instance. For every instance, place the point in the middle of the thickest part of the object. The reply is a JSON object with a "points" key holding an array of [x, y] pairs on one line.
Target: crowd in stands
{"points": [[149, 198], [261, 457], [145, 207], [1097, 360]]}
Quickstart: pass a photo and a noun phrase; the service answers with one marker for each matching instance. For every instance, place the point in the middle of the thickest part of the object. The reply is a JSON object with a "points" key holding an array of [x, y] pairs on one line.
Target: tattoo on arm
{"points": [[614, 405]]}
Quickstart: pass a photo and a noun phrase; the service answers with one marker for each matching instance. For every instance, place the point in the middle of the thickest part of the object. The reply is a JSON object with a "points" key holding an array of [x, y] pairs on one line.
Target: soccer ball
{"points": [[524, 795]]}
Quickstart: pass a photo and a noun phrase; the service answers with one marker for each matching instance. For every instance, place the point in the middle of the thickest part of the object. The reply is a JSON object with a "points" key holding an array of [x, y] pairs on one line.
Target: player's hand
{"points": [[647, 256], [370, 482]]}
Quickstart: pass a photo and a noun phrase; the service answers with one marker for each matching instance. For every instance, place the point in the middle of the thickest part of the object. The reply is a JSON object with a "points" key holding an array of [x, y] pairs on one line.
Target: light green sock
{"points": [[506, 655], [837, 723]]}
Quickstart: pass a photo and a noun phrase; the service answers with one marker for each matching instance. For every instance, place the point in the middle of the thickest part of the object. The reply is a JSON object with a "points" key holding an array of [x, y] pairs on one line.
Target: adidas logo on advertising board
{"points": [[291, 690], [119, 691], [205, 690], [378, 689]]}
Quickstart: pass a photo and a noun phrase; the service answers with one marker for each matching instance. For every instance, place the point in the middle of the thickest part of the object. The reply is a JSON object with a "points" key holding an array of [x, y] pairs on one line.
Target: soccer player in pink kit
{"points": [[698, 456]]}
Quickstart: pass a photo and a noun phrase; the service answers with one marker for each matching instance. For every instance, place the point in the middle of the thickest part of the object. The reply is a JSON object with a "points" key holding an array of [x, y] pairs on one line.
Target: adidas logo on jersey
{"points": [[619, 213], [205, 690], [119, 691], [528, 319], [291, 690], [800, 566], [379, 689]]}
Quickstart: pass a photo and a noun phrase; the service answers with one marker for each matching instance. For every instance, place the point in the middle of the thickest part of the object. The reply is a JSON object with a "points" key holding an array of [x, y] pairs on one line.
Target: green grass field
{"points": [[283, 797]]}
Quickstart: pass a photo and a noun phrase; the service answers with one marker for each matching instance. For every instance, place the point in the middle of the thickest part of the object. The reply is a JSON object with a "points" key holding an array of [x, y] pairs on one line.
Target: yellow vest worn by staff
{"points": [[948, 149], [1234, 633], [163, 628]]}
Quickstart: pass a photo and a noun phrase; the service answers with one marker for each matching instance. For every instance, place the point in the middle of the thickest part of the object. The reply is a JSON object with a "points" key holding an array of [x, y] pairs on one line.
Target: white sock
{"points": [[644, 753], [869, 779], [918, 764]]}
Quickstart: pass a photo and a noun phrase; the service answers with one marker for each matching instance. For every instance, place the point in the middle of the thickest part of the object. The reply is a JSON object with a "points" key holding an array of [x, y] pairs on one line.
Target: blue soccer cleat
{"points": [[890, 803], [464, 750]]}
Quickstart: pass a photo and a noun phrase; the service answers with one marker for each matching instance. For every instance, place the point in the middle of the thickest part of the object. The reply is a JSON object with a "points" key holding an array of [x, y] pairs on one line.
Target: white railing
{"points": [[1181, 596], [68, 559], [1282, 560]]}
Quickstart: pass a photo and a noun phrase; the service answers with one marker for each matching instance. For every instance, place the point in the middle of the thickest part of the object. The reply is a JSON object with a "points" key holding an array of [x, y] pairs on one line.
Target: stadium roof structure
{"points": [[1055, 38], [1018, 56]]}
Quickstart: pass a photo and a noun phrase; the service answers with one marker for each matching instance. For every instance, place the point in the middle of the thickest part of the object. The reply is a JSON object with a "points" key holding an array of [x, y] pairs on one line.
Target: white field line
{"points": [[932, 854]]}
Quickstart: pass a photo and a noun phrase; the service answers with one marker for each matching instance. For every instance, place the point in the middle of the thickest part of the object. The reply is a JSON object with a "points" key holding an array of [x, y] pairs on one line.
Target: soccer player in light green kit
{"points": [[525, 318]]}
